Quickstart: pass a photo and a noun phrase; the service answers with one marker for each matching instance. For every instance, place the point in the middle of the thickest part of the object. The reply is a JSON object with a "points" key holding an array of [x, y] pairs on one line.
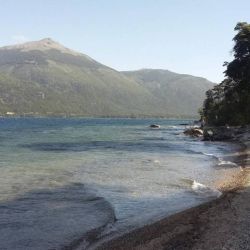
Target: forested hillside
{"points": [[46, 78]]}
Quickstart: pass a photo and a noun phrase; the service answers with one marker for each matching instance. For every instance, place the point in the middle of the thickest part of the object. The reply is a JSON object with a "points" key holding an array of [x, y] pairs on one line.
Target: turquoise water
{"points": [[61, 178]]}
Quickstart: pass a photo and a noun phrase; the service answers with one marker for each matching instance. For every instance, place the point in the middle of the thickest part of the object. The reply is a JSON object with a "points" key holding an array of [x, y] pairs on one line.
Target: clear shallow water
{"points": [[61, 178]]}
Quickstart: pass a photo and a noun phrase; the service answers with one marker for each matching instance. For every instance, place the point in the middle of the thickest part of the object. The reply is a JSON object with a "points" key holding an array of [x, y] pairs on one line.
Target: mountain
{"points": [[179, 93], [46, 78]]}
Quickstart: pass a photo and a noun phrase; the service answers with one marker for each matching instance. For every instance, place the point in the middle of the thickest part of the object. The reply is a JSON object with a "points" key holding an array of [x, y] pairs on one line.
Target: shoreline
{"points": [[197, 227], [189, 118]]}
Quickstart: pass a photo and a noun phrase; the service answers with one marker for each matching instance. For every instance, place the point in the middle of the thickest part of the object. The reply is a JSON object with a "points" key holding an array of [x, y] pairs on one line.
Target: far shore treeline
{"points": [[229, 102]]}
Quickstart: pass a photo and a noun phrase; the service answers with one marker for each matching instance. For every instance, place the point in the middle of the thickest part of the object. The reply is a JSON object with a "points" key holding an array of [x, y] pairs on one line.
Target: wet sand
{"points": [[223, 223]]}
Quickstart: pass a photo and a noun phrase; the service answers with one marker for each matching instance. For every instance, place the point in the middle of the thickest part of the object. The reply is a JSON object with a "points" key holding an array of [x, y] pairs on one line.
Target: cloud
{"points": [[19, 39]]}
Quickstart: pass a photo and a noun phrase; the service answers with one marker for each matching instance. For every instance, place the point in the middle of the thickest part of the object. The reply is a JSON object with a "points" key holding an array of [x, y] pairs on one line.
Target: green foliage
{"points": [[229, 102]]}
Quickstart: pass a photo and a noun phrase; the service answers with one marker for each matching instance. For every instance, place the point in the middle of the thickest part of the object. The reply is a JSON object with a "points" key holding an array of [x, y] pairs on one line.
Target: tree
{"points": [[239, 69], [229, 102]]}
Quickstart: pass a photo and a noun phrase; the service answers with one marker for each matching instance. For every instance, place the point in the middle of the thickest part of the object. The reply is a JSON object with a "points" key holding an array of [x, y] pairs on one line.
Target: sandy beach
{"points": [[220, 224]]}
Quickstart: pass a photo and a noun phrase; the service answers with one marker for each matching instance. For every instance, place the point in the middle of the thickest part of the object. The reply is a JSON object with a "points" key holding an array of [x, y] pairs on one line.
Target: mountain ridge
{"points": [[160, 82], [45, 78]]}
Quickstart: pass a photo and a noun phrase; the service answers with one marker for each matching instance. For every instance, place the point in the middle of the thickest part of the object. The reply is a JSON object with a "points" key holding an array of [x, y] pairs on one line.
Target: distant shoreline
{"points": [[207, 226], [104, 117]]}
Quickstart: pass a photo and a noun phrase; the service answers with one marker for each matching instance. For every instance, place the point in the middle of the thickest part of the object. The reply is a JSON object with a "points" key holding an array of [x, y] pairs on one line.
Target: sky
{"points": [[184, 36]]}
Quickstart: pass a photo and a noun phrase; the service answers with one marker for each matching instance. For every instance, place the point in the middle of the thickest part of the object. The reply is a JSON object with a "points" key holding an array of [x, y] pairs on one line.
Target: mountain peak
{"points": [[47, 41], [41, 45]]}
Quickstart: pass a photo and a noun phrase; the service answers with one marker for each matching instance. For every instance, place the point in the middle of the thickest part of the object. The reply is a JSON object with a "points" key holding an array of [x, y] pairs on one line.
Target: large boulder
{"points": [[194, 131]]}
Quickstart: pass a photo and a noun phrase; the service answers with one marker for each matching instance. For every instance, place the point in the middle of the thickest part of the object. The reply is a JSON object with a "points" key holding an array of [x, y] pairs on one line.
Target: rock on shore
{"points": [[194, 132], [224, 133]]}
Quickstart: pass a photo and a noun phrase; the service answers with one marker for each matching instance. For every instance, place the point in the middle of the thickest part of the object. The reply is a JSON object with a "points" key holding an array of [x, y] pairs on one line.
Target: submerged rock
{"points": [[154, 126], [59, 218]]}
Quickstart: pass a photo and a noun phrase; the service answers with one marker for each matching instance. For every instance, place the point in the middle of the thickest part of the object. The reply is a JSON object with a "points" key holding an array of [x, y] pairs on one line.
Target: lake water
{"points": [[62, 178]]}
